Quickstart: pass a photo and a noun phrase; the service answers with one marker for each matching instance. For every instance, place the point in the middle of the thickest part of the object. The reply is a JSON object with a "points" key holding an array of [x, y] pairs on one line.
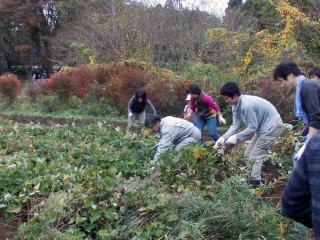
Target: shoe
{"points": [[254, 183]]}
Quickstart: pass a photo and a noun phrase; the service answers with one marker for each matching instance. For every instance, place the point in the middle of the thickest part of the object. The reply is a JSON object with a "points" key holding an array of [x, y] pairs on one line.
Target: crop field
{"points": [[95, 182]]}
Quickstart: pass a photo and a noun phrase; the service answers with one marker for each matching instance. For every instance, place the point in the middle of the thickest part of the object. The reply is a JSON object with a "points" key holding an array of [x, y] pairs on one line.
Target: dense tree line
{"points": [[49, 32]]}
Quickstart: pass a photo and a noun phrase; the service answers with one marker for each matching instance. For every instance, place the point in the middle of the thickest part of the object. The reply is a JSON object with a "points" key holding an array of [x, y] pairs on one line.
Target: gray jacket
{"points": [[256, 113], [173, 131]]}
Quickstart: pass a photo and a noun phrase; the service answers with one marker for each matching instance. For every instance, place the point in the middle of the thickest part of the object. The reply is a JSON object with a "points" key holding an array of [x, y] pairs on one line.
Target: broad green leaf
{"points": [[106, 233], [88, 226], [94, 216], [3, 205], [13, 209], [172, 217]]}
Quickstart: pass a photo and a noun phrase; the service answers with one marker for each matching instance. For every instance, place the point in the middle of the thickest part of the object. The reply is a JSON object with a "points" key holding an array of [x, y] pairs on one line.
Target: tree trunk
{"points": [[116, 38]]}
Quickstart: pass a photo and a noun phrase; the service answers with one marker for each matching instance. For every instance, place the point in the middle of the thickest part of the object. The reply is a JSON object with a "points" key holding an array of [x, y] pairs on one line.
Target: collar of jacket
{"points": [[238, 104]]}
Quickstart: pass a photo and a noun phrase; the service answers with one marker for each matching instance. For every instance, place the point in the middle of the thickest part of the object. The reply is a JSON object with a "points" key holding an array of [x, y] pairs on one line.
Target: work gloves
{"points": [[301, 150], [130, 115], [220, 142], [232, 140], [222, 120]]}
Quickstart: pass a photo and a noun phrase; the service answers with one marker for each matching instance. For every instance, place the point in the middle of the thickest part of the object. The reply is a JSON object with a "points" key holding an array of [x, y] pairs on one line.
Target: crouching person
{"points": [[174, 132], [301, 196]]}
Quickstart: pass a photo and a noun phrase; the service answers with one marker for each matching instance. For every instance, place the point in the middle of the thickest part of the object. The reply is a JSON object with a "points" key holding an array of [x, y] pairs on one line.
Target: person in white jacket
{"points": [[174, 132]]}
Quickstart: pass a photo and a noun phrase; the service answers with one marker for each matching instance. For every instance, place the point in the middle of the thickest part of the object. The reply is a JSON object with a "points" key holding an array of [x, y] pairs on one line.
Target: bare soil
{"points": [[7, 229]]}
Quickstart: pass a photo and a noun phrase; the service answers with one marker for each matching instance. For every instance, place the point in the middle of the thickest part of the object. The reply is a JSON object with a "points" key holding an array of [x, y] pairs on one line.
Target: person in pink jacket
{"points": [[206, 111]]}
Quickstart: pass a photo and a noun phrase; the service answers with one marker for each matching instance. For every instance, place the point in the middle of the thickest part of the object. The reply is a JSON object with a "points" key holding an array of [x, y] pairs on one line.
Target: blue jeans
{"points": [[212, 126]]}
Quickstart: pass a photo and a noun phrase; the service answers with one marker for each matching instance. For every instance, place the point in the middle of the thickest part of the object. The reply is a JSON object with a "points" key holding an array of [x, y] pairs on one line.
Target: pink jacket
{"points": [[205, 107]]}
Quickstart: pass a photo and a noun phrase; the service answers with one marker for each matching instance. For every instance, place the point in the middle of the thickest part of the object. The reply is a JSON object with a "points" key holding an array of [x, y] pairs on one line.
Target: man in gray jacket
{"points": [[262, 121], [173, 131]]}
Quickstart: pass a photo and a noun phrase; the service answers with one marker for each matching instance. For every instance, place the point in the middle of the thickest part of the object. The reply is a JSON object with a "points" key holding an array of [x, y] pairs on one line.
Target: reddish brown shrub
{"points": [[162, 97], [38, 88], [273, 92], [179, 91], [102, 74], [34, 91], [122, 86], [81, 81], [306, 66], [10, 87], [60, 84]]}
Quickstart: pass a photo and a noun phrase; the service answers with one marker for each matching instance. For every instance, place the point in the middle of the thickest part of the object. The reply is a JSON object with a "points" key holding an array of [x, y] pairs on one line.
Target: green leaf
{"points": [[3, 205], [106, 233], [172, 217], [95, 215], [159, 233], [137, 230], [123, 209], [13, 209], [52, 218], [88, 226]]}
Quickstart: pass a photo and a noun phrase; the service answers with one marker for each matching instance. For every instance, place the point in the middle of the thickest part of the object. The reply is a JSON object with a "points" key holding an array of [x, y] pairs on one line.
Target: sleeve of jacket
{"points": [[210, 102], [236, 123], [251, 123], [163, 145], [296, 197], [153, 110], [130, 105], [310, 101]]}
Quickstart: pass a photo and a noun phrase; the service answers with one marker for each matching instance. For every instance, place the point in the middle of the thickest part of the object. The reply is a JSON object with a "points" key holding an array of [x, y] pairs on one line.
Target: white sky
{"points": [[216, 6]]}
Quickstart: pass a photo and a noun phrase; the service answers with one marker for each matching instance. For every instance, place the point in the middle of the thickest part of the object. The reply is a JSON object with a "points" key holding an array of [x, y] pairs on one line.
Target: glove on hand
{"points": [[222, 120], [233, 139], [130, 115], [219, 142], [299, 153]]}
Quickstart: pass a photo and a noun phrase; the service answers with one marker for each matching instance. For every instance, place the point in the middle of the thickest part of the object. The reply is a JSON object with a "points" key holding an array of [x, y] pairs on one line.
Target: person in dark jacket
{"points": [[136, 108], [314, 74], [301, 196], [307, 98]]}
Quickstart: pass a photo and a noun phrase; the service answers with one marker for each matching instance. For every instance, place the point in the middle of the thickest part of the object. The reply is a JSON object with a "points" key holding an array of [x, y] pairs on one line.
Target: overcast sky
{"points": [[217, 6]]}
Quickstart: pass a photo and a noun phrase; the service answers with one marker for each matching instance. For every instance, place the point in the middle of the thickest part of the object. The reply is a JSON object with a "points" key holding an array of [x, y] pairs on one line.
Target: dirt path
{"points": [[61, 121], [7, 229]]}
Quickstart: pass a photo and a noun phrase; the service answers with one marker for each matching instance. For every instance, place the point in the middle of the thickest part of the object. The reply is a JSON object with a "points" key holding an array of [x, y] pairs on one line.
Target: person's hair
{"points": [[230, 89], [194, 89], [314, 71], [187, 90], [140, 93], [284, 69], [152, 120]]}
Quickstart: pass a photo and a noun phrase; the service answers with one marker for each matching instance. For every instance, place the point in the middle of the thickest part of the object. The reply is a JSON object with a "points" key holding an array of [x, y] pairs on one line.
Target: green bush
{"points": [[95, 94], [74, 102], [101, 108], [50, 103], [208, 76]]}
